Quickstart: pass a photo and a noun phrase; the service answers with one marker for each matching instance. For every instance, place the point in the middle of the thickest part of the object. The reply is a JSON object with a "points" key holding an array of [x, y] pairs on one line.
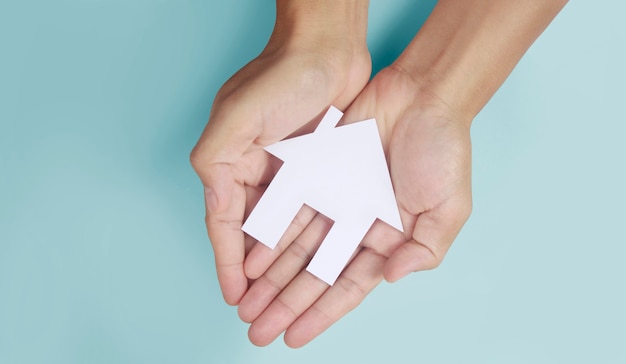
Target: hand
{"points": [[424, 104], [309, 63], [428, 149]]}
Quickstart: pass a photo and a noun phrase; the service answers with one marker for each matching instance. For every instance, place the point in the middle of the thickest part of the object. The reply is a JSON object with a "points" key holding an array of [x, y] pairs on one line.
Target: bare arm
{"points": [[467, 48]]}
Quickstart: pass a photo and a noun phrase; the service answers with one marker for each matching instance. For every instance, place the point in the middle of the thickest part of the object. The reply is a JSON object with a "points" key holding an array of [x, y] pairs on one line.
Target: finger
{"points": [[385, 239], [253, 195], [214, 157], [227, 239], [226, 202], [261, 257], [359, 278], [434, 232], [257, 168], [229, 134], [299, 295], [295, 258], [250, 242]]}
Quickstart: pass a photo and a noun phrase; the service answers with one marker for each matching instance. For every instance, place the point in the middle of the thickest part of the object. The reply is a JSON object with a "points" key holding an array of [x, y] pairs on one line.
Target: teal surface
{"points": [[103, 252]]}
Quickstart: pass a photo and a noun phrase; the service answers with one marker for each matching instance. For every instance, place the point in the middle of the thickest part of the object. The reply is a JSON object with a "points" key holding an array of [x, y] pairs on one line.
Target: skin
{"points": [[304, 68], [424, 104]]}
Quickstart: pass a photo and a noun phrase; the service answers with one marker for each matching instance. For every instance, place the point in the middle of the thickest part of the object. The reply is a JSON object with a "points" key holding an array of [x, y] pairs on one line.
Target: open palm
{"points": [[274, 96], [428, 151]]}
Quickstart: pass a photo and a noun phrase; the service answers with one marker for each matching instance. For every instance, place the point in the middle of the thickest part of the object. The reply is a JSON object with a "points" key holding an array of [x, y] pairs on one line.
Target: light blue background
{"points": [[103, 252]]}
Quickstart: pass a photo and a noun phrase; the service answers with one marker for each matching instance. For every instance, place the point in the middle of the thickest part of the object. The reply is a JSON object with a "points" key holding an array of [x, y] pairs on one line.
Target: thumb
{"points": [[434, 232], [218, 182], [225, 203], [222, 142]]}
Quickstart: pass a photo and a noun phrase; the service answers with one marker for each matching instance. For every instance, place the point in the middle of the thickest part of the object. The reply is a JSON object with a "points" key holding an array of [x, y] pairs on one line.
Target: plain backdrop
{"points": [[103, 252]]}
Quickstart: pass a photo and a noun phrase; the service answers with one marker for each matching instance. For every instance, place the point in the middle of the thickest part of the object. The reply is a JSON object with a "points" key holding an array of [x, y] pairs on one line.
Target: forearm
{"points": [[467, 48], [306, 23]]}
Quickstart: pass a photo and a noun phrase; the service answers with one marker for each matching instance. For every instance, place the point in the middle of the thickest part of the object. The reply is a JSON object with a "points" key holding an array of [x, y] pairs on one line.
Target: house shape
{"points": [[342, 173]]}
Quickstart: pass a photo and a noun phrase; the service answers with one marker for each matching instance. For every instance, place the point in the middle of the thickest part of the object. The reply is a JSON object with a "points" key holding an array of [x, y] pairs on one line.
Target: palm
{"points": [[430, 168], [272, 97]]}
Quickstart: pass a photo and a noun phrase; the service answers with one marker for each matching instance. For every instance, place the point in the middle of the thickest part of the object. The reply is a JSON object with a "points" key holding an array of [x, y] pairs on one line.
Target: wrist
{"points": [[466, 49], [441, 84], [331, 28], [427, 93]]}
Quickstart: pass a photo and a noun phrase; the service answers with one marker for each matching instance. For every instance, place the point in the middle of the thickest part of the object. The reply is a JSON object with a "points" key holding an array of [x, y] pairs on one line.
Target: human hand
{"points": [[428, 149], [424, 104], [313, 59]]}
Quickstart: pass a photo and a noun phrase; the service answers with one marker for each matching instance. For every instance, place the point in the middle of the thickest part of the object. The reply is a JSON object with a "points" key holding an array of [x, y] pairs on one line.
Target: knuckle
{"points": [[324, 316], [216, 222], [273, 283], [468, 207], [286, 307], [424, 256], [298, 251], [462, 211], [278, 249], [433, 263], [197, 158], [298, 223], [350, 286]]}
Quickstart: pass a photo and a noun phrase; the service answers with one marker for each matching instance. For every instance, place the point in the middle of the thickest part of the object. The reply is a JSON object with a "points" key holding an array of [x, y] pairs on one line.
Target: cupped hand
{"points": [[428, 149], [277, 94]]}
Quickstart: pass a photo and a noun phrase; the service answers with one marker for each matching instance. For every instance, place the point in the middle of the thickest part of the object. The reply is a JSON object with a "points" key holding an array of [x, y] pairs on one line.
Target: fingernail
{"points": [[210, 199]]}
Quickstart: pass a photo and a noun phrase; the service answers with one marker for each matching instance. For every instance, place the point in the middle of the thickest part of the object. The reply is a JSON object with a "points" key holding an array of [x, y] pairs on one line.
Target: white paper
{"points": [[339, 171]]}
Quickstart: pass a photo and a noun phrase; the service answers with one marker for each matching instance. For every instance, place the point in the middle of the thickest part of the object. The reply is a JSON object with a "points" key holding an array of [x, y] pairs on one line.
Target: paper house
{"points": [[340, 172]]}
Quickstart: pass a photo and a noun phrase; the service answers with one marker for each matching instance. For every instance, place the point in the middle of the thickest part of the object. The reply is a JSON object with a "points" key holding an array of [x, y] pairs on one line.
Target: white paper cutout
{"points": [[340, 172]]}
